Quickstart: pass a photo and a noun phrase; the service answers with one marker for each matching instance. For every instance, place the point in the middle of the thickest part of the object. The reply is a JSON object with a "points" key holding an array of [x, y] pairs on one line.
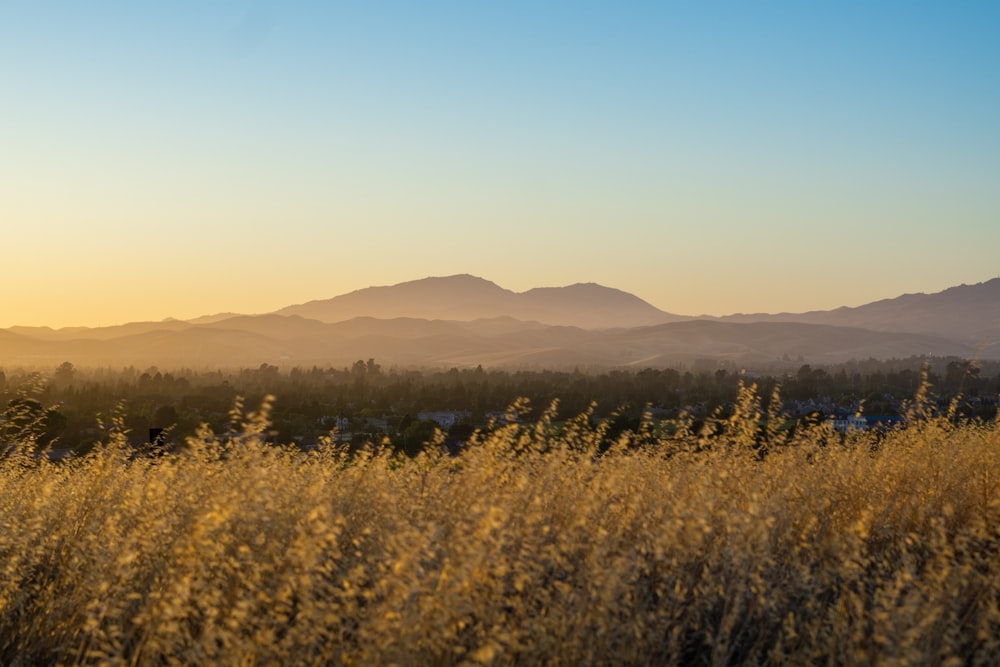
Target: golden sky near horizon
{"points": [[182, 160]]}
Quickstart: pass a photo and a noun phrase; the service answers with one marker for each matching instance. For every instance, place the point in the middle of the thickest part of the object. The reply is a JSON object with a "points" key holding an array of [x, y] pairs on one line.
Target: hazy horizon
{"points": [[227, 313], [185, 160]]}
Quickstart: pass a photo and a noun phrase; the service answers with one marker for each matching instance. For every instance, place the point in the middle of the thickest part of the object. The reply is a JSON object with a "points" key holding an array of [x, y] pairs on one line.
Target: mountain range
{"points": [[464, 321], [464, 297]]}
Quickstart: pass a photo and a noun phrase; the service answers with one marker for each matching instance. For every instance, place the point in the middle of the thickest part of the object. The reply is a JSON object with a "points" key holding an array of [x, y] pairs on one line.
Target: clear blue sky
{"points": [[184, 158]]}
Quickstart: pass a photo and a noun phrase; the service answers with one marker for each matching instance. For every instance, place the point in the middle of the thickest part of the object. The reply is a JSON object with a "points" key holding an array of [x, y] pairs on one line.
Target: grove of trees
{"points": [[62, 407]]}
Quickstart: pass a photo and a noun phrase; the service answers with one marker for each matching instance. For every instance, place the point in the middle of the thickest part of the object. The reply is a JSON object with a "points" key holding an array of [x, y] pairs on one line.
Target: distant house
{"points": [[854, 423], [443, 418], [502, 417], [848, 423]]}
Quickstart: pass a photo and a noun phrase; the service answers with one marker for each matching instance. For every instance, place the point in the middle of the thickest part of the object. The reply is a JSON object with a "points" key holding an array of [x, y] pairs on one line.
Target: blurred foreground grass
{"points": [[536, 545]]}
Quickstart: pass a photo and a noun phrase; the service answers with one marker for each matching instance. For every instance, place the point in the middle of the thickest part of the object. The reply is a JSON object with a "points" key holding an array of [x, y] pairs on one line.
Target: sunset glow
{"points": [[180, 160]]}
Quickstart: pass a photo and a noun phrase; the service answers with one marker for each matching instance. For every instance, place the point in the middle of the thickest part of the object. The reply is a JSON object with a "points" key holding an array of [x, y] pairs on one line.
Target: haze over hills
{"points": [[970, 312], [465, 321], [466, 297]]}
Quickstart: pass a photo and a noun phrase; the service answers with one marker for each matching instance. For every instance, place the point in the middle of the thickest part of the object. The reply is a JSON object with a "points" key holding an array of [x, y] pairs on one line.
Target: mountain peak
{"points": [[459, 281], [415, 323], [466, 297]]}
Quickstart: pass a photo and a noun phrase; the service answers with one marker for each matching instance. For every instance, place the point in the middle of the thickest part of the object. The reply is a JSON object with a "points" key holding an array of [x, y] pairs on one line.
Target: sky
{"points": [[187, 158]]}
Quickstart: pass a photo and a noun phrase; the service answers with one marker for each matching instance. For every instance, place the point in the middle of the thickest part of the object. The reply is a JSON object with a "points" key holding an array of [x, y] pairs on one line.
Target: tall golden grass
{"points": [[534, 546]]}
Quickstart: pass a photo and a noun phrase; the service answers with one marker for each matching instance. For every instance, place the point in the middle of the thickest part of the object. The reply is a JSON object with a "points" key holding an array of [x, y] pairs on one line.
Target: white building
{"points": [[848, 424]]}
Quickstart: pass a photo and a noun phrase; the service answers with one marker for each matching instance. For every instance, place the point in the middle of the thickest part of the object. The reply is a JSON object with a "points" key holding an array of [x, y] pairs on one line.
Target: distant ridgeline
{"points": [[464, 322]]}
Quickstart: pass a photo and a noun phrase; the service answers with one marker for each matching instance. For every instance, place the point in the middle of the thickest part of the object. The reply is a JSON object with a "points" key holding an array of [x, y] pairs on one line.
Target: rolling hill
{"points": [[466, 297], [464, 320], [966, 312]]}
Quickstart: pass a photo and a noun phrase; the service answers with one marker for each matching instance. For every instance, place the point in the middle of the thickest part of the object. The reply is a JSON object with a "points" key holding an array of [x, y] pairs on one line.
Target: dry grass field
{"points": [[534, 546]]}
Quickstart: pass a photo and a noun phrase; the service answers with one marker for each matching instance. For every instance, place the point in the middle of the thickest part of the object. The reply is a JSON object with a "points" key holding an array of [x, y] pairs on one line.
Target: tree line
{"points": [[63, 407]]}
